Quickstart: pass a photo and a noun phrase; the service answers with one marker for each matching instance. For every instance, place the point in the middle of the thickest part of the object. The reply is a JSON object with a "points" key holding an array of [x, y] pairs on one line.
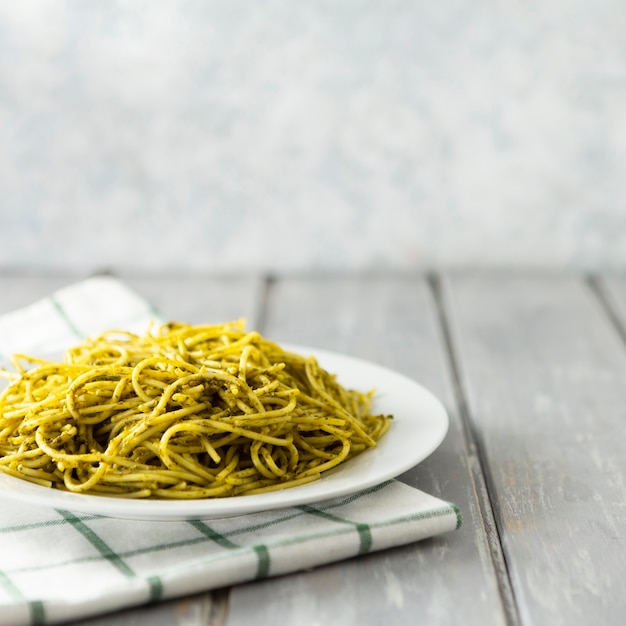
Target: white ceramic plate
{"points": [[419, 425]]}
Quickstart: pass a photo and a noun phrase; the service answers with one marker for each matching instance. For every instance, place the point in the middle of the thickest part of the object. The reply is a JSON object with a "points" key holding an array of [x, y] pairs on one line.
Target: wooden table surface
{"points": [[532, 369]]}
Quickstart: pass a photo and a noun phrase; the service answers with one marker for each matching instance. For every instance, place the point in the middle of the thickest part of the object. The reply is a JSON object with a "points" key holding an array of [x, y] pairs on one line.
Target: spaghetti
{"points": [[182, 411]]}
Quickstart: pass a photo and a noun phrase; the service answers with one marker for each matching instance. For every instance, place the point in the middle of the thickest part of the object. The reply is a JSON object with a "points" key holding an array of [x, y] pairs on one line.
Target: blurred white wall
{"points": [[328, 134]]}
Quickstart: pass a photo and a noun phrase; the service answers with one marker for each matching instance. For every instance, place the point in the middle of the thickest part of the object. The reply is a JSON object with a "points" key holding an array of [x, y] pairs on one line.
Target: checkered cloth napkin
{"points": [[59, 565]]}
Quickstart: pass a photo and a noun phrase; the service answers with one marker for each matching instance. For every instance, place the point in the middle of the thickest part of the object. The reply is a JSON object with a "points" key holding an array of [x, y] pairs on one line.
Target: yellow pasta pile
{"points": [[181, 412]]}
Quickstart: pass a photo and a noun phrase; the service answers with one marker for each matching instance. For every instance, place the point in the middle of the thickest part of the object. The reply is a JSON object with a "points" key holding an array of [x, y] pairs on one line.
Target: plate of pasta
{"points": [[206, 422]]}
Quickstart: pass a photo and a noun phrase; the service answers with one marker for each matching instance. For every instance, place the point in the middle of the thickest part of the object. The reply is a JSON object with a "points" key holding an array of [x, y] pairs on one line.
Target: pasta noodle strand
{"points": [[180, 412]]}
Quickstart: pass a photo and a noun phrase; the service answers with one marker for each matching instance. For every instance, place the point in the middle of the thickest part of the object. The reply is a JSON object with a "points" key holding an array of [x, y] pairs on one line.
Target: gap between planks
{"points": [[477, 461], [598, 290]]}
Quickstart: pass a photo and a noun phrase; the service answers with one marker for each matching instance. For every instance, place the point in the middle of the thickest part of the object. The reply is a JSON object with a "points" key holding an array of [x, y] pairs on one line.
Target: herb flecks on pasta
{"points": [[182, 411]]}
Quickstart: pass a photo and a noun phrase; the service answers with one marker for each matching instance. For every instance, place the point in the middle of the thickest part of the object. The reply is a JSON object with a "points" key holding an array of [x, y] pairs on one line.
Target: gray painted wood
{"points": [[544, 370], [612, 291], [191, 299], [195, 300], [447, 580], [202, 610], [20, 291], [202, 299]]}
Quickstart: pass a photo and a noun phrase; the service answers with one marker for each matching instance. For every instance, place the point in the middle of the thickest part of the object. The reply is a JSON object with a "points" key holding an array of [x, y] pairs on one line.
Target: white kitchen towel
{"points": [[60, 565]]}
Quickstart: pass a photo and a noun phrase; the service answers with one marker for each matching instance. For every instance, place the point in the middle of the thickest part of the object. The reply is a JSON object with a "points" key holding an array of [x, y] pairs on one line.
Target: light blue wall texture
{"points": [[276, 135]]}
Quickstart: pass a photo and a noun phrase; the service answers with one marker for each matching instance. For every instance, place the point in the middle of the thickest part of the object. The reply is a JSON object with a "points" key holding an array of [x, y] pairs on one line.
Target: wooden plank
{"points": [[191, 299], [544, 371], [202, 299], [201, 610], [194, 299], [20, 291], [446, 580]]}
